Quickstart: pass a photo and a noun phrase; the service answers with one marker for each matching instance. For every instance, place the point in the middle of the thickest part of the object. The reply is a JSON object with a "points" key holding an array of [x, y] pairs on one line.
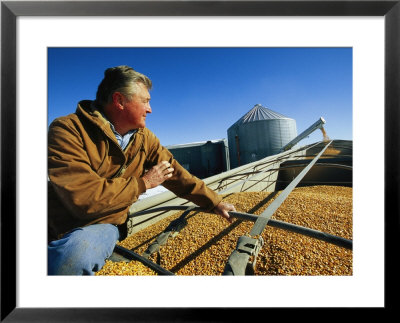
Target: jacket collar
{"points": [[88, 109]]}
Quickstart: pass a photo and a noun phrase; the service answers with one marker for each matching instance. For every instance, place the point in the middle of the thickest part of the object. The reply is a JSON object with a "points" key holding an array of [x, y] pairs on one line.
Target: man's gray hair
{"points": [[120, 79]]}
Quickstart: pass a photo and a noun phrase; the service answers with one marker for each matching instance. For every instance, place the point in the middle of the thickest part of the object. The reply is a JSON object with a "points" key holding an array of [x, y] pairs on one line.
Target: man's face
{"points": [[135, 111]]}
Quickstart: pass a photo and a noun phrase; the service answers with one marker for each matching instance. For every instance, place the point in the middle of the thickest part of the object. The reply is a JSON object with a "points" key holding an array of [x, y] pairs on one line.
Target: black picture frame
{"points": [[10, 10]]}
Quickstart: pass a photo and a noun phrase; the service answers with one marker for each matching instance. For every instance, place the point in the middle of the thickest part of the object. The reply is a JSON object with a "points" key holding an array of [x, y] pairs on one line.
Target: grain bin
{"points": [[261, 132]]}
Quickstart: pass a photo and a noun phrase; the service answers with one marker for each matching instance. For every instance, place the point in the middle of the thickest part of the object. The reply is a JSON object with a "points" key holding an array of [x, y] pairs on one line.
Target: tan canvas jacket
{"points": [[92, 180]]}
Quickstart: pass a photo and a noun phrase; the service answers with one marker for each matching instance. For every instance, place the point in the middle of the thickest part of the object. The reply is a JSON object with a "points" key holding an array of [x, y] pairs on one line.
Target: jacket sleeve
{"points": [[182, 183], [82, 191]]}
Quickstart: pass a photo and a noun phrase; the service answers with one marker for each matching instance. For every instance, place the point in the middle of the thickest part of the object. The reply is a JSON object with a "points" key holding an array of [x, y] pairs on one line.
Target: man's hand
{"points": [[223, 208], [157, 174]]}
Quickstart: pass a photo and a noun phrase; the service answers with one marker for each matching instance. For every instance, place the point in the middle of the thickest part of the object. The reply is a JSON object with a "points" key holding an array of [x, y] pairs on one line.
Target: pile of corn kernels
{"points": [[204, 245], [121, 268]]}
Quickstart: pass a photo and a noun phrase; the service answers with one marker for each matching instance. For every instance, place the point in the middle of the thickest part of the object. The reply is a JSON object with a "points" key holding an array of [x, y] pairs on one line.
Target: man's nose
{"points": [[148, 110]]}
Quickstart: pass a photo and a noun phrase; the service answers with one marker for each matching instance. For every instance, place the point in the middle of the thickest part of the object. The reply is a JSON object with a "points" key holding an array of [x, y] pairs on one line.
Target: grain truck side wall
{"points": [[212, 158], [189, 158], [204, 159], [318, 175], [232, 146]]}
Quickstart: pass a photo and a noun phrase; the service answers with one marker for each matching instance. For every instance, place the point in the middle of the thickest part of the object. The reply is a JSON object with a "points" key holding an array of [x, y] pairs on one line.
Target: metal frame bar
{"points": [[129, 254], [336, 240], [296, 166], [263, 219], [259, 167]]}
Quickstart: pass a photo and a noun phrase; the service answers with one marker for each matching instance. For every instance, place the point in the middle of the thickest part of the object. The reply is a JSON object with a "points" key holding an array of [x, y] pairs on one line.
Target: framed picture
{"points": [[162, 307]]}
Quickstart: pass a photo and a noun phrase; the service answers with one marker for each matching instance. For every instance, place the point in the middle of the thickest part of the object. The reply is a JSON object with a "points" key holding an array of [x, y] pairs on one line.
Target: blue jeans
{"points": [[82, 251]]}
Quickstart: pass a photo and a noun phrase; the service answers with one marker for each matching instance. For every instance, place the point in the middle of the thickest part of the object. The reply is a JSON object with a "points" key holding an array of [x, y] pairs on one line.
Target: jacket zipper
{"points": [[126, 165]]}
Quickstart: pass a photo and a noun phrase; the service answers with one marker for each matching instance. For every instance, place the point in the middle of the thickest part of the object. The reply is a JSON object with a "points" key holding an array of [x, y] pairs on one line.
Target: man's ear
{"points": [[118, 100]]}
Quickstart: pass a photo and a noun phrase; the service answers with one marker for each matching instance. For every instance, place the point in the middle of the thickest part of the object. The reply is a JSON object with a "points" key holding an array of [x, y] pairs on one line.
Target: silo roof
{"points": [[258, 113]]}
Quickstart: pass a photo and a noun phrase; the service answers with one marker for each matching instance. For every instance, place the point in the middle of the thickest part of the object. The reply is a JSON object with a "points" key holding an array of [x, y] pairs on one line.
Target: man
{"points": [[100, 159]]}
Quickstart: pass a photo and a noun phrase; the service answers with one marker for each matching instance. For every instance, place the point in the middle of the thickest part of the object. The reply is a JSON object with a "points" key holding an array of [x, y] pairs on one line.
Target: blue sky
{"points": [[198, 93]]}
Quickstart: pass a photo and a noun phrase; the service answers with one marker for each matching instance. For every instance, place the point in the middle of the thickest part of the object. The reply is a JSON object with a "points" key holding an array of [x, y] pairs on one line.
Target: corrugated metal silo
{"points": [[261, 132]]}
